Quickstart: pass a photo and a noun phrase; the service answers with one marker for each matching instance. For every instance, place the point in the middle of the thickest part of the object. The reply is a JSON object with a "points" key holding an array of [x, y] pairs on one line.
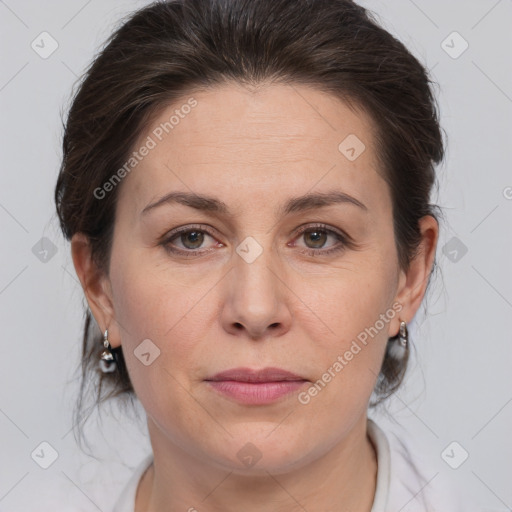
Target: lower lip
{"points": [[256, 392]]}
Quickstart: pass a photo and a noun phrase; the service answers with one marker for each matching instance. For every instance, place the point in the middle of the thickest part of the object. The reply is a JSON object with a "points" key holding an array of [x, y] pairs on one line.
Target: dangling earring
{"points": [[403, 334], [107, 362], [399, 344]]}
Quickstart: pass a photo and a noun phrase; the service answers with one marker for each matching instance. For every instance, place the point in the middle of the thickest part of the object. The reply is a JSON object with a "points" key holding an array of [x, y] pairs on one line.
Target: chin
{"points": [[261, 453]]}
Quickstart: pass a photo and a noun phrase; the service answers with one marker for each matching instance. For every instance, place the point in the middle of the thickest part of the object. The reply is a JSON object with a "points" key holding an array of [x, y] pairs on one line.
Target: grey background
{"points": [[458, 388]]}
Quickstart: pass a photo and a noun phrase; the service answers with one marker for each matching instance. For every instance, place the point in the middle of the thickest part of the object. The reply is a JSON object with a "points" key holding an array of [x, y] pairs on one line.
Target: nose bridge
{"points": [[255, 299], [254, 260]]}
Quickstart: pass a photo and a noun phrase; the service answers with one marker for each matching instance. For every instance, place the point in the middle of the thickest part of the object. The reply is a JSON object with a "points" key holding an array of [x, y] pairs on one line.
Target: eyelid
{"points": [[169, 235], [320, 225]]}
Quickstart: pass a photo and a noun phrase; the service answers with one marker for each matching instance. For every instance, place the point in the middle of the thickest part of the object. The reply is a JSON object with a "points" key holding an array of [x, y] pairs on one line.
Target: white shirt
{"points": [[400, 487]]}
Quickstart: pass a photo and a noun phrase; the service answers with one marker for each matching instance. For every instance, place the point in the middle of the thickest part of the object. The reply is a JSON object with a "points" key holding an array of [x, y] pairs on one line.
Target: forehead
{"points": [[289, 137]]}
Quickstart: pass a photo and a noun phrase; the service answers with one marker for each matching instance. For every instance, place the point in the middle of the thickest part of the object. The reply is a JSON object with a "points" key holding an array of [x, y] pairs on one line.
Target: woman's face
{"points": [[244, 285]]}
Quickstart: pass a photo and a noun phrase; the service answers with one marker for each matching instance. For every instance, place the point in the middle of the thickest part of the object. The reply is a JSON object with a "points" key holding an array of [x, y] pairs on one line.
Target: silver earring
{"points": [[107, 362], [403, 334], [398, 345]]}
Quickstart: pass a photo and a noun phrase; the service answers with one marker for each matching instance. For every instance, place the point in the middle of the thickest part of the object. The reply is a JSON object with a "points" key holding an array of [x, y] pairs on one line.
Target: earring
{"points": [[107, 363], [403, 334], [399, 344]]}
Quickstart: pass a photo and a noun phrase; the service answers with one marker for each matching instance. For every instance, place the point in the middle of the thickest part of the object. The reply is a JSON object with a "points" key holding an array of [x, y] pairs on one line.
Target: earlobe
{"points": [[96, 286]]}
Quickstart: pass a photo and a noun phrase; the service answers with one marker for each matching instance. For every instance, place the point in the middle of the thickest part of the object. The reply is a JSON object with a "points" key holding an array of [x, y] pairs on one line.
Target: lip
{"points": [[256, 387], [269, 374]]}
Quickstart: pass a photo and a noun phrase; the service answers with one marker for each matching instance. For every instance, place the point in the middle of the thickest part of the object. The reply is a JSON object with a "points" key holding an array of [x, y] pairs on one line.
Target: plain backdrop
{"points": [[458, 387]]}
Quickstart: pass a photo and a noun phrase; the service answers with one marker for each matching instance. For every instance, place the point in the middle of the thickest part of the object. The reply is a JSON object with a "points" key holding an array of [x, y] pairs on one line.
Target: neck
{"points": [[343, 478]]}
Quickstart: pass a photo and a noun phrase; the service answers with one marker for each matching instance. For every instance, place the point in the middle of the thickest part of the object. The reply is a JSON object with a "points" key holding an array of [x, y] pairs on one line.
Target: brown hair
{"points": [[170, 48]]}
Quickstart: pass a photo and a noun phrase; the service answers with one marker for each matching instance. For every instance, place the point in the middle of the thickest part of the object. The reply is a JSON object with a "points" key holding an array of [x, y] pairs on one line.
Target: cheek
{"points": [[348, 316], [150, 308], [347, 300], [161, 309], [172, 308], [154, 300]]}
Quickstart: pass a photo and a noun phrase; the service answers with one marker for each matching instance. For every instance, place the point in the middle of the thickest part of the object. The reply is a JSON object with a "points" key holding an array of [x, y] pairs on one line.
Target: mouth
{"points": [[256, 387]]}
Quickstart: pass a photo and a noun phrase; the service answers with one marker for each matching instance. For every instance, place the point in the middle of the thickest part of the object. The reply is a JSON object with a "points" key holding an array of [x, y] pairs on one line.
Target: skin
{"points": [[254, 150]]}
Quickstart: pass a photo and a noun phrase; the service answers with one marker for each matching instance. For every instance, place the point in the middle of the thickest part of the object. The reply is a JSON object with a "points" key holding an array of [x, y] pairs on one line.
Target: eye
{"points": [[316, 237], [188, 241]]}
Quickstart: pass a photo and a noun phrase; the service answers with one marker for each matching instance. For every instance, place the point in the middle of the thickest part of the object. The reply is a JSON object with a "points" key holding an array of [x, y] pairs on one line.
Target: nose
{"points": [[256, 301]]}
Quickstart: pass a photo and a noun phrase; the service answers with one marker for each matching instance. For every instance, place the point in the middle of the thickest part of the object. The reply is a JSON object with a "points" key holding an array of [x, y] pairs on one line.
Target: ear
{"points": [[96, 286], [412, 283]]}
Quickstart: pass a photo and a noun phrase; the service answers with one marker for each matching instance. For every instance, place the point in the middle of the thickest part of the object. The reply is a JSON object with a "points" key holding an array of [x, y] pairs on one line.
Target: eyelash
{"points": [[344, 240]]}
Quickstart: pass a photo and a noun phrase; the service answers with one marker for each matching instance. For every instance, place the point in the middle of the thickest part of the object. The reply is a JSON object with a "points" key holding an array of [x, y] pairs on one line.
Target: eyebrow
{"points": [[296, 204]]}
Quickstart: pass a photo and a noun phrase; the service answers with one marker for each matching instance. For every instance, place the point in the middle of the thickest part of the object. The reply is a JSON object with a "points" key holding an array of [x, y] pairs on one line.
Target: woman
{"points": [[246, 190]]}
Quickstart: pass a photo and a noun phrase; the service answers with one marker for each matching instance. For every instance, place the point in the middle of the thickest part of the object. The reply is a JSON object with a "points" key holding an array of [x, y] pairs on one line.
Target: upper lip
{"points": [[264, 375]]}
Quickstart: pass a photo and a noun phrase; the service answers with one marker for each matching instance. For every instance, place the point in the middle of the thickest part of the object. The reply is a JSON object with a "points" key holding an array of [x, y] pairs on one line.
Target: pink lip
{"points": [[256, 386]]}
